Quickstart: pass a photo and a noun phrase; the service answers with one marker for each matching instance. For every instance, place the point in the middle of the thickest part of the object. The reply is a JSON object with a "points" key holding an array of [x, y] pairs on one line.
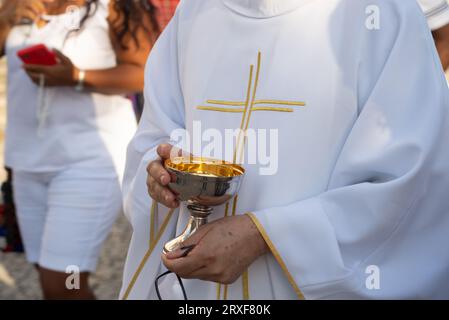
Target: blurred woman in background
{"points": [[68, 126], [163, 11]]}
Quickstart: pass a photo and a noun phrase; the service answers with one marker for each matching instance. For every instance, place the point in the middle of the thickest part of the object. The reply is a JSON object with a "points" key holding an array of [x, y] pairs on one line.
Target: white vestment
{"points": [[358, 206]]}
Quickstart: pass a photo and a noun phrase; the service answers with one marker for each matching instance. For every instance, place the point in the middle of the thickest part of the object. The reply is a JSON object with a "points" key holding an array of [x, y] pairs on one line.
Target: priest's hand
{"points": [[219, 251], [159, 178]]}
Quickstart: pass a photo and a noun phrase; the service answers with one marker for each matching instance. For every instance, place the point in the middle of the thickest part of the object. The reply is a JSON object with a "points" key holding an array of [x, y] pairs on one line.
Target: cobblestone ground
{"points": [[18, 279]]}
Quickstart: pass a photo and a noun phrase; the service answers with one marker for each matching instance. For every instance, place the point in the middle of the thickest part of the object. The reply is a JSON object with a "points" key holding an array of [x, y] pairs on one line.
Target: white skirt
{"points": [[65, 216]]}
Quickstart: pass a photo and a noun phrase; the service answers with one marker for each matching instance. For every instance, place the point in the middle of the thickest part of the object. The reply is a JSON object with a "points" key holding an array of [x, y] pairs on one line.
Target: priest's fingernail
{"points": [[163, 179], [187, 250], [188, 247]]}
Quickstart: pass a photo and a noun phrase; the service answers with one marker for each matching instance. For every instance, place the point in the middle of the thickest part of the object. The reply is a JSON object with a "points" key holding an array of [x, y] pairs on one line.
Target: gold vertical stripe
{"points": [[259, 58], [219, 284], [218, 291], [152, 222], [256, 84], [248, 95], [225, 293], [245, 285], [226, 209], [234, 204], [277, 256], [147, 255]]}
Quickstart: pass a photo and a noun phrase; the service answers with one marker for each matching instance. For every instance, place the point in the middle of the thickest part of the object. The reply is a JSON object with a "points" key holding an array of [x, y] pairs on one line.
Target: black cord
{"points": [[186, 250], [184, 294], [156, 284]]}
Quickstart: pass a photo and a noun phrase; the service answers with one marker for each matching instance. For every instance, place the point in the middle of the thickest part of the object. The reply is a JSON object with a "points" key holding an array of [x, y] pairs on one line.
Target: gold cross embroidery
{"points": [[242, 106], [250, 105]]}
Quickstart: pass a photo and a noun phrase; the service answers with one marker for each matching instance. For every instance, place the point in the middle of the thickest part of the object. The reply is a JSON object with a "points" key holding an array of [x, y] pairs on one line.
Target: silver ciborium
{"points": [[203, 183]]}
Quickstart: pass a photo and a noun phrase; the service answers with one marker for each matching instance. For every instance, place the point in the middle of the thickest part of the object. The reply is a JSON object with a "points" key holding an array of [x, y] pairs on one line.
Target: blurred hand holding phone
{"points": [[38, 55], [49, 67]]}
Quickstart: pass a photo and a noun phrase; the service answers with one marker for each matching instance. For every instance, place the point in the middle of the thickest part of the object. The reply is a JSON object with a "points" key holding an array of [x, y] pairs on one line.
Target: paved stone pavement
{"points": [[18, 279]]}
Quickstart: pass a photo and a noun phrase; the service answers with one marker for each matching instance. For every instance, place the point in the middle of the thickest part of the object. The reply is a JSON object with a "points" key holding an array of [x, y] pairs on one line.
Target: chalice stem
{"points": [[198, 217]]}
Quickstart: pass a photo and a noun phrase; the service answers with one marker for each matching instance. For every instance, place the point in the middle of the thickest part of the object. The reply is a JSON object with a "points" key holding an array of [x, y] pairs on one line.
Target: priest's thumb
{"points": [[164, 150]]}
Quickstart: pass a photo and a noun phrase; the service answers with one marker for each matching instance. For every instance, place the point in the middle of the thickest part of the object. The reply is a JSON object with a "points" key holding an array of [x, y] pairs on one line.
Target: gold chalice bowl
{"points": [[203, 183]]}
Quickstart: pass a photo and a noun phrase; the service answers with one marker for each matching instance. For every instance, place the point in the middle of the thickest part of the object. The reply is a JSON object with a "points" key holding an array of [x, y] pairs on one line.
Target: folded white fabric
{"points": [[436, 11]]}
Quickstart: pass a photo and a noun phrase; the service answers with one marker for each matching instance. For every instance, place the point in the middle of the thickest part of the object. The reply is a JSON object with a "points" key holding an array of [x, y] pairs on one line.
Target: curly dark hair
{"points": [[130, 18]]}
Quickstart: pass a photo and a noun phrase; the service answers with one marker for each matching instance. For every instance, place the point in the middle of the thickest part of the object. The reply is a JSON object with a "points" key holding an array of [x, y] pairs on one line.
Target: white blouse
{"points": [[51, 128]]}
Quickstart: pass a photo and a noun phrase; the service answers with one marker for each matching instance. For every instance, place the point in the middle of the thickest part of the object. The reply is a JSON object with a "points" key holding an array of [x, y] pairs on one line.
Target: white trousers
{"points": [[64, 217]]}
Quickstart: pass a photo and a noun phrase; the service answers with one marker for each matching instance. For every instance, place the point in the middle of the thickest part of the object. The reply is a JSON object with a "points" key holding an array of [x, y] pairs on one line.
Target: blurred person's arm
{"points": [[11, 12], [6, 24], [5, 27], [126, 77], [441, 37]]}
